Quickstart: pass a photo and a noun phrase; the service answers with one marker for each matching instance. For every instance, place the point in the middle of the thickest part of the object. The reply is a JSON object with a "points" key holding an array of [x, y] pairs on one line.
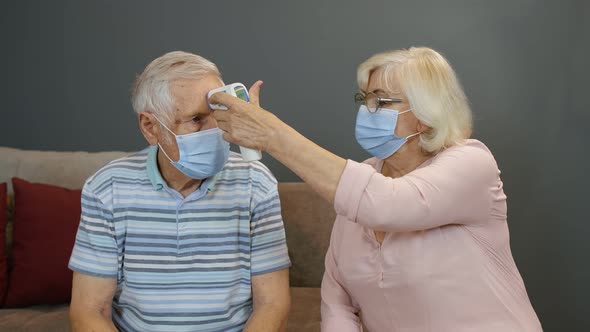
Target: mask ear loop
{"points": [[410, 136], [162, 123], [161, 148]]}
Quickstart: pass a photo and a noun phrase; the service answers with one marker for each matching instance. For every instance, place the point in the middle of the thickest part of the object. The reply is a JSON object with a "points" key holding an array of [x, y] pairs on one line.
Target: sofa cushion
{"points": [[305, 310], [68, 169], [308, 224], [3, 221], [47, 318], [46, 218]]}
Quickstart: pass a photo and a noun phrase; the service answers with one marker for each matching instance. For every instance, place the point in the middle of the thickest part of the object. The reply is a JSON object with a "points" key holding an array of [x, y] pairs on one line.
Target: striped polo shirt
{"points": [[181, 264]]}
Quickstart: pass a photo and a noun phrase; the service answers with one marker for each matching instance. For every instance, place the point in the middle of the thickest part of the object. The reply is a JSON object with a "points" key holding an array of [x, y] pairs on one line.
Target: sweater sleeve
{"points": [[455, 188]]}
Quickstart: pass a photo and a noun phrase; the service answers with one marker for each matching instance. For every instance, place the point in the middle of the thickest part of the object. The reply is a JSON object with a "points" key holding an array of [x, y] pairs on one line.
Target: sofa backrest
{"points": [[308, 218], [64, 169], [308, 223]]}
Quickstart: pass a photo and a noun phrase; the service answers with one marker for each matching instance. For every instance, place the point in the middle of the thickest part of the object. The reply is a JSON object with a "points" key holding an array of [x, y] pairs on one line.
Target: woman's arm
{"points": [[455, 188], [247, 124], [315, 165]]}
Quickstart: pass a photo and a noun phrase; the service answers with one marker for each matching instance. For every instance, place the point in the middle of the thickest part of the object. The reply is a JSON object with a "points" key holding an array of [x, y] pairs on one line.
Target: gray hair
{"points": [[433, 91], [151, 90]]}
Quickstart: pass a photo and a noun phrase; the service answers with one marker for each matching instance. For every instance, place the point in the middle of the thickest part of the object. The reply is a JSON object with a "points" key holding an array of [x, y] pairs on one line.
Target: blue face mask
{"points": [[202, 154], [375, 131]]}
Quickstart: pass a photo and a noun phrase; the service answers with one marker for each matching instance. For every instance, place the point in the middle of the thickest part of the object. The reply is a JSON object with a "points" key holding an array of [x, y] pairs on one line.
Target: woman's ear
{"points": [[421, 127], [148, 128]]}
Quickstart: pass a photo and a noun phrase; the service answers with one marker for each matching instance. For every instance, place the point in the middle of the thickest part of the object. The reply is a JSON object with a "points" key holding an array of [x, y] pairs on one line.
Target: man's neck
{"points": [[175, 178]]}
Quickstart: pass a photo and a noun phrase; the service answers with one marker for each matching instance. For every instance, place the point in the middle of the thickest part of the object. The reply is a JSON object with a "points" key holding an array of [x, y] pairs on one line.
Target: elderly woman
{"points": [[420, 242]]}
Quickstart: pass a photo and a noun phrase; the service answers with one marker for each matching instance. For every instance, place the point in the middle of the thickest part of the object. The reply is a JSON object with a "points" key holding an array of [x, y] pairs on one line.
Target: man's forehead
{"points": [[191, 90], [205, 83], [190, 96]]}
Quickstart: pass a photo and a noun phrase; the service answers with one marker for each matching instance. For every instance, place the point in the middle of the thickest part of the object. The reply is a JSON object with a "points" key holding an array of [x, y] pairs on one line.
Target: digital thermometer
{"points": [[237, 90]]}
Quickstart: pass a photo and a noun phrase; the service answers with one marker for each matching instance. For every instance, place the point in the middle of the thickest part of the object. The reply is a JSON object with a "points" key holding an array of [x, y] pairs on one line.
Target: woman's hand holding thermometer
{"points": [[237, 90]]}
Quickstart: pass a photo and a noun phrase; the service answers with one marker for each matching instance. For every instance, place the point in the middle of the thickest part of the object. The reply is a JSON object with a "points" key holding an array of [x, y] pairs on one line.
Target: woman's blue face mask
{"points": [[375, 131]]}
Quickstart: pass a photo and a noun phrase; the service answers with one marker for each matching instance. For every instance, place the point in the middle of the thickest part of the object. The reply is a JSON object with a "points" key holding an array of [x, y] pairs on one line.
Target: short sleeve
{"points": [[95, 250], [268, 242]]}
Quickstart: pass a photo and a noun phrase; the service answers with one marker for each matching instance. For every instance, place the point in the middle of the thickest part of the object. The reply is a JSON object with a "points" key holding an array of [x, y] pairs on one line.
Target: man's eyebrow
{"points": [[198, 112]]}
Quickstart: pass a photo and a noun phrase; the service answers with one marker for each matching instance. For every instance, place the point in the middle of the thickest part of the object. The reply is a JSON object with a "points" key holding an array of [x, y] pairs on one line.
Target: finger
{"points": [[224, 99], [223, 125], [220, 115], [228, 137], [254, 92]]}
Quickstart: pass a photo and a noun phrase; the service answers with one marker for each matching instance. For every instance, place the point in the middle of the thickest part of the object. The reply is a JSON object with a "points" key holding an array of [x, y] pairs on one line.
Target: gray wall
{"points": [[68, 65]]}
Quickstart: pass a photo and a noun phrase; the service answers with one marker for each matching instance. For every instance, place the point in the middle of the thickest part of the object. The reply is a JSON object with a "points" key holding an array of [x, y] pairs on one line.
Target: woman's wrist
{"points": [[277, 137]]}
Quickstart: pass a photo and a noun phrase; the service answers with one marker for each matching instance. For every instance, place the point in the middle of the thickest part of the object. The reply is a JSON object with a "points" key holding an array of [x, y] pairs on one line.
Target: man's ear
{"points": [[148, 127]]}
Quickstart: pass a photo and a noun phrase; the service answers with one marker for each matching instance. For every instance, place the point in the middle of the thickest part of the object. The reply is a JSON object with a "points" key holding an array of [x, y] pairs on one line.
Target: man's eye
{"points": [[197, 119]]}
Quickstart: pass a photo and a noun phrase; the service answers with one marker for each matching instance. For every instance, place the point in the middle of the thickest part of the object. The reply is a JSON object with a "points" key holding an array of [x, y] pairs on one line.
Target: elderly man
{"points": [[184, 235]]}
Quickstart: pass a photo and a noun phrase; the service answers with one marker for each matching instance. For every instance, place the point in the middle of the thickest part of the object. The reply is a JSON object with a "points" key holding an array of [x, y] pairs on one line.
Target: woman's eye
{"points": [[197, 119], [387, 102]]}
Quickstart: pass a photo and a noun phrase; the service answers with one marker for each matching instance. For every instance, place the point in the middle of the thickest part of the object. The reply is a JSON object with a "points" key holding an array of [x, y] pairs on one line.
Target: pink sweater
{"points": [[445, 263]]}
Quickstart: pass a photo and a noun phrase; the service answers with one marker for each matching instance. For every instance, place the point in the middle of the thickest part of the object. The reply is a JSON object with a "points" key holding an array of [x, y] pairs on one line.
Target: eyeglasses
{"points": [[373, 102]]}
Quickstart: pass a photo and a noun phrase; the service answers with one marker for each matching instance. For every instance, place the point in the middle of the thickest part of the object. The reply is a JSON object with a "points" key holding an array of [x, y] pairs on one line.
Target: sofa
{"points": [[308, 221]]}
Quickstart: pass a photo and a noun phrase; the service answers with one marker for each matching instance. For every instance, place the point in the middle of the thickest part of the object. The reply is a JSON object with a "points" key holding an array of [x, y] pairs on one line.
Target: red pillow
{"points": [[3, 221], [45, 219]]}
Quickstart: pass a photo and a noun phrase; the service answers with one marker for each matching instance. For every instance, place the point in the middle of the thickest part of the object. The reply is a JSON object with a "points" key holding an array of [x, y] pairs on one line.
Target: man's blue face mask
{"points": [[375, 131], [202, 154]]}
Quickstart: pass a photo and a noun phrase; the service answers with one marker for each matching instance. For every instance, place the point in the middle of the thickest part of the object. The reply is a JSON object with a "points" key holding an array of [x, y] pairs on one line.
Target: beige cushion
{"points": [[65, 169], [35, 319], [308, 223], [305, 310]]}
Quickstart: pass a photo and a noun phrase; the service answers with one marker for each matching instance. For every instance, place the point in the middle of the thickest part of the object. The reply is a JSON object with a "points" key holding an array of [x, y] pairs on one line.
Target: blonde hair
{"points": [[151, 89], [433, 91]]}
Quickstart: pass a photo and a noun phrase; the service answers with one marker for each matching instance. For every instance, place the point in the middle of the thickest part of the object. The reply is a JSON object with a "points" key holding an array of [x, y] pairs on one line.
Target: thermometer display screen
{"points": [[241, 93]]}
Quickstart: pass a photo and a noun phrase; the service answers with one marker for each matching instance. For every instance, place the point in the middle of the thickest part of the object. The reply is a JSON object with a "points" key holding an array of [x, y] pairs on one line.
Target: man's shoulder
{"points": [[130, 168], [237, 167], [236, 170]]}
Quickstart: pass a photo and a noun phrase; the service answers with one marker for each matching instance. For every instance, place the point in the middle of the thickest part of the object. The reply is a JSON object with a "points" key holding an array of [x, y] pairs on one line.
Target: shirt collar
{"points": [[152, 168]]}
